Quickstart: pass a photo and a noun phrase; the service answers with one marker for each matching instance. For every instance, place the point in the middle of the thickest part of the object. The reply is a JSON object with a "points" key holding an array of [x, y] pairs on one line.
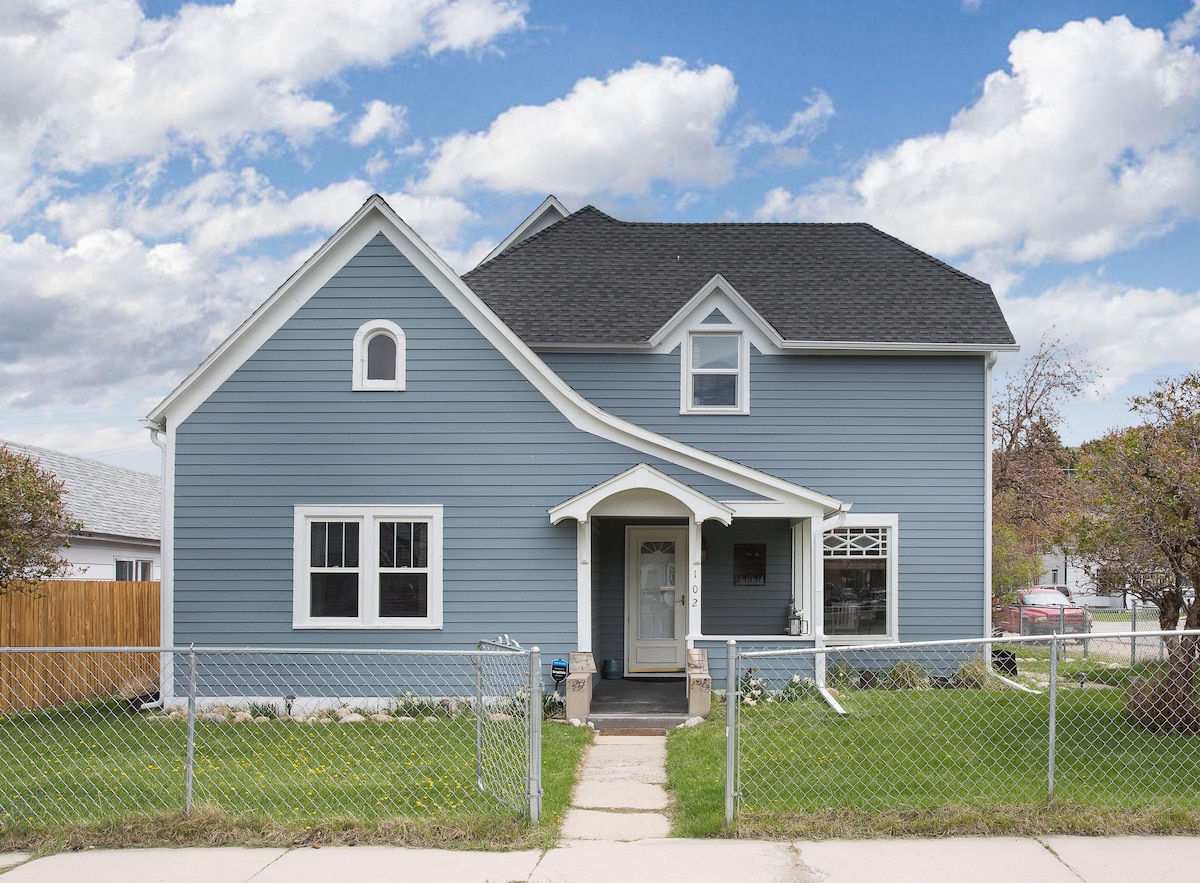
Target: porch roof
{"points": [[642, 490]]}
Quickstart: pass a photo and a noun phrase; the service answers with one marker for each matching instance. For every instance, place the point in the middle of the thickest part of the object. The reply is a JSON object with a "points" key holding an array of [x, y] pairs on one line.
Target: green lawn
{"points": [[99, 766], [938, 761]]}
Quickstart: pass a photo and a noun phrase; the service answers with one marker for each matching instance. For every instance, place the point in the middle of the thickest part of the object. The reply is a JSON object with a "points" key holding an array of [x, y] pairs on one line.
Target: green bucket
{"points": [[612, 670]]}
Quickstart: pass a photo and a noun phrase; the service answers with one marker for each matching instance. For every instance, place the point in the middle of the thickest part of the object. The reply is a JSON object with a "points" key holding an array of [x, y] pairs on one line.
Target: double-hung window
{"points": [[860, 579], [368, 567], [715, 375]]}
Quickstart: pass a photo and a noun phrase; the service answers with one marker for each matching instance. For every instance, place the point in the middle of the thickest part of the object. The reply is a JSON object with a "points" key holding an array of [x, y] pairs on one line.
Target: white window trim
{"points": [[368, 556], [891, 523], [743, 371], [362, 337]]}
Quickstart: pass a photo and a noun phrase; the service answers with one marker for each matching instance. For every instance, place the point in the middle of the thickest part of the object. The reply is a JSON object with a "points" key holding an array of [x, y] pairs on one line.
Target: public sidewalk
{"points": [[980, 860]]}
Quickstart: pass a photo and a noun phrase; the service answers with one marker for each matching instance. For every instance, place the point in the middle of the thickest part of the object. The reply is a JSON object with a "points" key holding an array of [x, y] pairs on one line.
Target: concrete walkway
{"points": [[620, 793]]}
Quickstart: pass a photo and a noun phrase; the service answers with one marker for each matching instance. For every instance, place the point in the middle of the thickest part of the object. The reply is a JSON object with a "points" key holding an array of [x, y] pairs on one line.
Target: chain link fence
{"points": [[1136, 617], [1102, 720], [276, 735]]}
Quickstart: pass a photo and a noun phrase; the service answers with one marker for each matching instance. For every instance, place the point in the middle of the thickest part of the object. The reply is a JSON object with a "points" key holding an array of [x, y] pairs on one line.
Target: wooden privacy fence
{"points": [[78, 613]]}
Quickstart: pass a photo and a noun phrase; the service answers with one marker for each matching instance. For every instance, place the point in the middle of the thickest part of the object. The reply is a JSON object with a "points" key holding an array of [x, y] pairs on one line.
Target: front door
{"points": [[655, 582]]}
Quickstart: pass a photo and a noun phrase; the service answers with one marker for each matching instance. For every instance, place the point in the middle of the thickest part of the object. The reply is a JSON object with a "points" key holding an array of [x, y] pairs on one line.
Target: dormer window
{"points": [[379, 356], [716, 374]]}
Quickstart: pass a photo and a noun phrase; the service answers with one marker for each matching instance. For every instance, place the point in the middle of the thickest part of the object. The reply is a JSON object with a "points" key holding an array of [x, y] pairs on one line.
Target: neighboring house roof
{"points": [[109, 500], [590, 278]]}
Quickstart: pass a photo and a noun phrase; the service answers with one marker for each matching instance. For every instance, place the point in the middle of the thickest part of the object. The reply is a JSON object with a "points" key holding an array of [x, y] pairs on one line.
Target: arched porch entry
{"points": [[639, 567]]}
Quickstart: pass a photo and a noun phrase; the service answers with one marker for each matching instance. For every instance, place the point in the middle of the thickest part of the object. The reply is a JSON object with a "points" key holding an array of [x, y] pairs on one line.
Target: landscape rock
{"points": [[243, 717], [380, 718], [352, 718]]}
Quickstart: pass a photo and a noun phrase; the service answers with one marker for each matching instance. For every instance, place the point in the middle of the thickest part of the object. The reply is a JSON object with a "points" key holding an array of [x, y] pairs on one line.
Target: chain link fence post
{"points": [[732, 678], [535, 735], [1133, 618], [478, 663], [190, 760], [1053, 692]]}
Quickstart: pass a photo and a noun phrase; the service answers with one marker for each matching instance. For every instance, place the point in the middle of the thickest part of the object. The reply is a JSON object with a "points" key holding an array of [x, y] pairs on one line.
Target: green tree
{"points": [[1140, 514], [34, 524], [1014, 565]]}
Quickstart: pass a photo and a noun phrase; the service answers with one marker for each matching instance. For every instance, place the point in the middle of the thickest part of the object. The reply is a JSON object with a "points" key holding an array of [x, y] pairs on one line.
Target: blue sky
{"points": [[164, 167]]}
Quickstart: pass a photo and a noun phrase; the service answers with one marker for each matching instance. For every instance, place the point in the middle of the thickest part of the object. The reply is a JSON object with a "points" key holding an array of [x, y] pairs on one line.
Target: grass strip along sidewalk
{"points": [[98, 774], [937, 762]]}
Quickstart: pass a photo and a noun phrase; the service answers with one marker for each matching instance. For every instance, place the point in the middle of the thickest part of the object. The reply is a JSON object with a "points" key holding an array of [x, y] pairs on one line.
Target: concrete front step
{"points": [[626, 721]]}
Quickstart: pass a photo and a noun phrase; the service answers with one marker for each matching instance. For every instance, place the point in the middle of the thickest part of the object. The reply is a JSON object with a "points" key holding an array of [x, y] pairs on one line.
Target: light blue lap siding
{"points": [[900, 434], [469, 433]]}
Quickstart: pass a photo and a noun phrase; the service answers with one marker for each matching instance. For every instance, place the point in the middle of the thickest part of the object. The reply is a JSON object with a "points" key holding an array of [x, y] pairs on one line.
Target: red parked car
{"points": [[1044, 612]]}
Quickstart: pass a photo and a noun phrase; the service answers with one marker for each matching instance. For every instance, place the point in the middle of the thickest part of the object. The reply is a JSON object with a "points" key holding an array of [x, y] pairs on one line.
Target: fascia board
{"points": [[270, 316], [375, 217], [773, 509], [835, 347], [813, 347]]}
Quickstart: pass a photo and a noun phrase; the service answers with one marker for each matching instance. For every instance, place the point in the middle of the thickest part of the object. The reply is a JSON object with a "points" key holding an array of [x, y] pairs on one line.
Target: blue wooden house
{"points": [[624, 438]]}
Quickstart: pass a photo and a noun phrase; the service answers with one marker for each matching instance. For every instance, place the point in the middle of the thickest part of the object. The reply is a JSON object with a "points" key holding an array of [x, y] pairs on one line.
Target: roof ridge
{"points": [[591, 210]]}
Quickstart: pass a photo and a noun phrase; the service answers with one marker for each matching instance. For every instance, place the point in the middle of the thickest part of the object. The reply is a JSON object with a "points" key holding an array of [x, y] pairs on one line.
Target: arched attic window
{"points": [[379, 356]]}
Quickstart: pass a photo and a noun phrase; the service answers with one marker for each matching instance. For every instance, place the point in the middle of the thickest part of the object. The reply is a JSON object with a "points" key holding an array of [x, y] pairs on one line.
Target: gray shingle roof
{"points": [[591, 278], [108, 499]]}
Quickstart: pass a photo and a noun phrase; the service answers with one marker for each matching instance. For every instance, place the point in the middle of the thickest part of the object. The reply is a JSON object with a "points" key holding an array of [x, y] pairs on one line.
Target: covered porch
{"points": [[663, 568]]}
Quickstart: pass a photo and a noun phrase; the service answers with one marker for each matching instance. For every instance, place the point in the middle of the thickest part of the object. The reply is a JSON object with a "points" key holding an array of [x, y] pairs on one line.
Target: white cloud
{"points": [[472, 24], [379, 118], [220, 212], [1089, 144], [806, 123], [95, 84], [1125, 329], [617, 135], [111, 317], [1188, 25]]}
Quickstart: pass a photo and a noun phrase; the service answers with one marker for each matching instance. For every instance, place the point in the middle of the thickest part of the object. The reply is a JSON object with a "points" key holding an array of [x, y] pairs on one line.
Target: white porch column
{"points": [[815, 542], [583, 582], [693, 587]]}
